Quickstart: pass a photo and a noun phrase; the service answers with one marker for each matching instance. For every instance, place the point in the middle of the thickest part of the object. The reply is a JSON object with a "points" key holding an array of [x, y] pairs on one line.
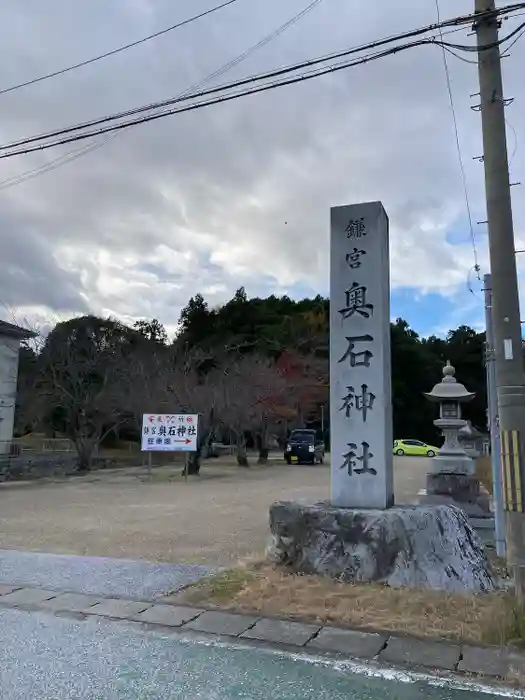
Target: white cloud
{"points": [[237, 194]]}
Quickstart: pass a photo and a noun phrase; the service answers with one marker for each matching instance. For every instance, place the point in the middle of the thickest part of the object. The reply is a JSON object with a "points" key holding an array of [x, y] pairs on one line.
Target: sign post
{"points": [[170, 432], [360, 376]]}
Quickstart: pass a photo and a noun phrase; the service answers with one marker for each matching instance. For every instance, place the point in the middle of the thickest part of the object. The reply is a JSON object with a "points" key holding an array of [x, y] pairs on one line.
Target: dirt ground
{"points": [[218, 518]]}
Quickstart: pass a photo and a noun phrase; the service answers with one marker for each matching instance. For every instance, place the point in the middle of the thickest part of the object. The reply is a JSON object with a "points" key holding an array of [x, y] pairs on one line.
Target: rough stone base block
{"points": [[431, 547], [485, 529], [462, 490], [452, 463]]}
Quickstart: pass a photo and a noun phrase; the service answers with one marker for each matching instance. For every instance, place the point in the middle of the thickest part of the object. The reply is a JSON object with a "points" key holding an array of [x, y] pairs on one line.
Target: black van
{"points": [[303, 447]]}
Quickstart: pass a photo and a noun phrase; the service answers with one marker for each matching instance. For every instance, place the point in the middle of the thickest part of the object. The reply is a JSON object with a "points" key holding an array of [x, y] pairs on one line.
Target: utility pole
{"points": [[510, 376], [493, 425]]}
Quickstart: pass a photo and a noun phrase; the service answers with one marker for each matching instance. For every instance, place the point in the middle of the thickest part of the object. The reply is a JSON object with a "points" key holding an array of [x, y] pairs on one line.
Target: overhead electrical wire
{"points": [[78, 153], [87, 62], [307, 75], [480, 15], [58, 162], [312, 73], [458, 146], [244, 81], [508, 48], [453, 22], [461, 58], [166, 30], [259, 45], [515, 148]]}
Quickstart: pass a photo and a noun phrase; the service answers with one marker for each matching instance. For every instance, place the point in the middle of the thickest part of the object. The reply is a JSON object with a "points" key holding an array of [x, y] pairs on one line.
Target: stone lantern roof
{"points": [[449, 389]]}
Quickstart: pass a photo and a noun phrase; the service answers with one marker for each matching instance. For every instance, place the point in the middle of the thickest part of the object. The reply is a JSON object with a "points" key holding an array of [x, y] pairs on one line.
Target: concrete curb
{"points": [[500, 664]]}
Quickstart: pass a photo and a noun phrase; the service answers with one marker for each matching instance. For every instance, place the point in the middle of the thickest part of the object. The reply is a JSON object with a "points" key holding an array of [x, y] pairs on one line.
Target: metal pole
{"points": [[510, 377], [492, 401]]}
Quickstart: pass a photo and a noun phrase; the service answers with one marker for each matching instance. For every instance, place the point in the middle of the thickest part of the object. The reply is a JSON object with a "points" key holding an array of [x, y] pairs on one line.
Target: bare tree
{"points": [[144, 383], [307, 379], [228, 384], [197, 391], [174, 379], [246, 391], [87, 409], [78, 387], [271, 395]]}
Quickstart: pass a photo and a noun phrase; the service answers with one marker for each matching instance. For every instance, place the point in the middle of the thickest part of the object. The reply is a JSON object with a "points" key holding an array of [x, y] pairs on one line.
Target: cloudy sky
{"points": [[239, 194]]}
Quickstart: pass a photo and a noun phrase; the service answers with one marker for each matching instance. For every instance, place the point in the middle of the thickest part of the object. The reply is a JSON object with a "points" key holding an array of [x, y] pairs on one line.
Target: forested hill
{"points": [[248, 367], [279, 324]]}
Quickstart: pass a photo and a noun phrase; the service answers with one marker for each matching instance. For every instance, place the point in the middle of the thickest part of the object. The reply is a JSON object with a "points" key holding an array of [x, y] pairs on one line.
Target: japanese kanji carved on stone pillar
{"points": [[360, 381]]}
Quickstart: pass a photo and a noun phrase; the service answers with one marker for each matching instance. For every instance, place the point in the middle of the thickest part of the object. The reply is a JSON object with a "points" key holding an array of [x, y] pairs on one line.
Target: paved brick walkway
{"points": [[490, 663]]}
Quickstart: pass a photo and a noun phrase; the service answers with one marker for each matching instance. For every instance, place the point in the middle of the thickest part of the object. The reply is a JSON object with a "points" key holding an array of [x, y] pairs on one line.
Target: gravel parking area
{"points": [[216, 519]]}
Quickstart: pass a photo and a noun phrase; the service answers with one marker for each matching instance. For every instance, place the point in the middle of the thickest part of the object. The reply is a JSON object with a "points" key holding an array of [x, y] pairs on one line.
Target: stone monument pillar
{"points": [[360, 378], [359, 536], [452, 479]]}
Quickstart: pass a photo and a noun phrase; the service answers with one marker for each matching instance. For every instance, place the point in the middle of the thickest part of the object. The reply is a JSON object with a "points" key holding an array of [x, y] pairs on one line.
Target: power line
{"points": [[219, 88], [461, 58], [469, 281], [479, 16], [312, 73], [143, 40], [65, 158], [458, 146], [265, 40], [78, 153], [252, 79], [508, 48], [117, 50], [475, 49], [514, 150], [281, 71]]}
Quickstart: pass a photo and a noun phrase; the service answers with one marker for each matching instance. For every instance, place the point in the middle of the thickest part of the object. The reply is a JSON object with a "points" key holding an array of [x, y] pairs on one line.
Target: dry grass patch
{"points": [[220, 589], [508, 628], [268, 591]]}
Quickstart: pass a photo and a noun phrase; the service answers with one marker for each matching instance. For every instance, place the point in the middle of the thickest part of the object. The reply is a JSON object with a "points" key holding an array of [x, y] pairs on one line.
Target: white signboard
{"points": [[360, 380], [169, 432]]}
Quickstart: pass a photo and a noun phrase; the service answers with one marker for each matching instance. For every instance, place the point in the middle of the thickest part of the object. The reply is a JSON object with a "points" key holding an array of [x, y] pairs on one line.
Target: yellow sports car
{"points": [[414, 448]]}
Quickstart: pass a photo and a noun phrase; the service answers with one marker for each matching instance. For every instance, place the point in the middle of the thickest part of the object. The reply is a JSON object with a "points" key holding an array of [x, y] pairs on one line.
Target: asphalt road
{"points": [[53, 658], [60, 658], [96, 575]]}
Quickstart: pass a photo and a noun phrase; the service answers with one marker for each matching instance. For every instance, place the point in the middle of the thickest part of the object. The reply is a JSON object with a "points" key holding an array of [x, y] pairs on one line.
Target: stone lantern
{"points": [[451, 477], [450, 394]]}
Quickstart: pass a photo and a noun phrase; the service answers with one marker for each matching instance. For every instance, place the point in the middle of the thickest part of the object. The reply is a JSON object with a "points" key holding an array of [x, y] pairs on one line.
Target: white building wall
{"points": [[9, 349]]}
